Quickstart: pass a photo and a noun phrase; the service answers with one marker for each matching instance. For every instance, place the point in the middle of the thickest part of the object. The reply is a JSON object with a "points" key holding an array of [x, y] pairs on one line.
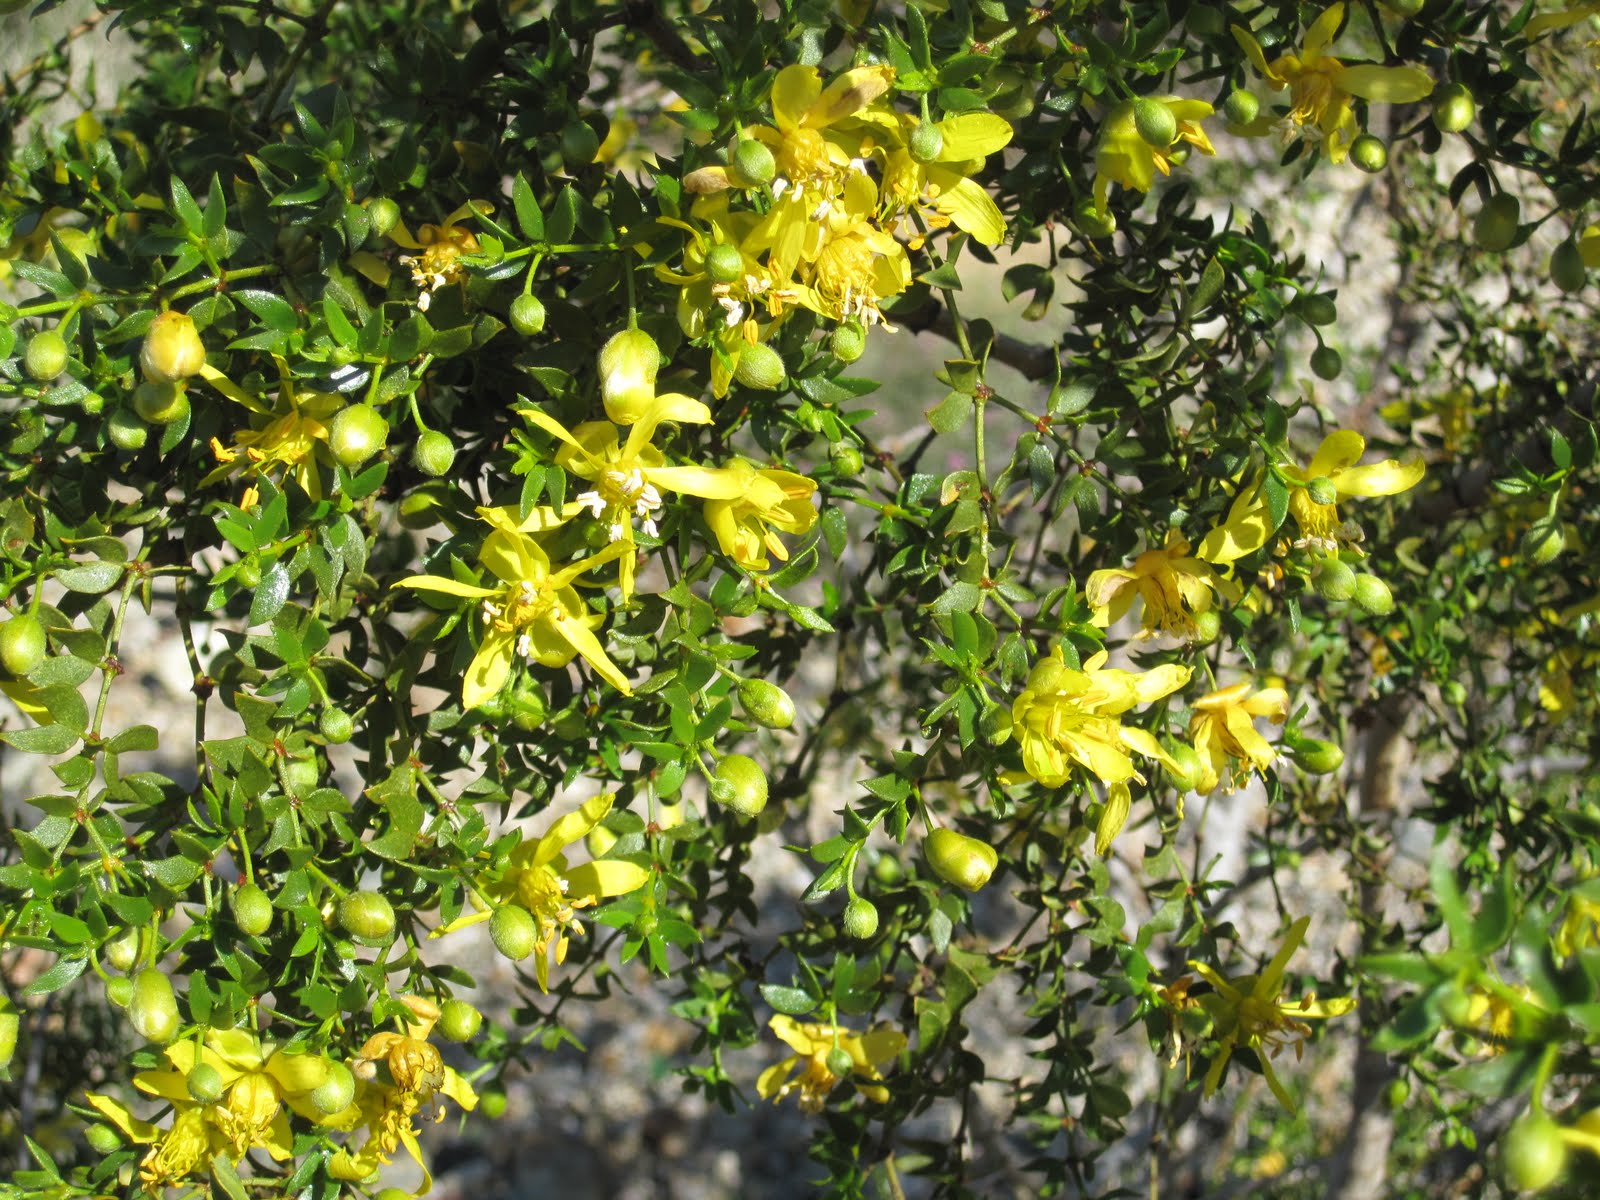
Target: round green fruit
{"points": [[1535, 1154], [336, 1092], [153, 1008], [766, 704], [1544, 540], [252, 909], [1241, 107], [926, 142], [513, 931], [248, 572], [839, 1062], [1369, 153], [740, 783], [753, 163], [1318, 309], [126, 431], [122, 951], [336, 726], [491, 1105], [1334, 580], [434, 454], [760, 367], [1207, 625], [724, 263], [1567, 270], [161, 403], [1317, 757], [384, 215], [10, 1027], [1373, 595], [367, 915], [204, 1083], [1155, 122], [846, 459], [959, 859], [860, 918], [119, 990], [459, 1021], [848, 341], [103, 1139], [356, 433], [1495, 227], [23, 645], [1454, 108], [1326, 362], [46, 356], [527, 315]]}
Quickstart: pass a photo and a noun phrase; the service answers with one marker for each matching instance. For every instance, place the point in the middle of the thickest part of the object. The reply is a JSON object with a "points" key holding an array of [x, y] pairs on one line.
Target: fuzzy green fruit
{"points": [[10, 1026], [46, 356], [122, 951], [383, 214], [23, 645], [434, 454], [1326, 362], [1535, 1154], [579, 144], [840, 1063], [926, 142], [753, 163], [959, 859], [848, 341], [860, 918], [766, 703], [103, 1139], [459, 1021], [1567, 270], [126, 431], [1369, 154], [740, 783], [845, 459], [1241, 107], [204, 1083], [367, 915], [356, 433], [1317, 757], [1334, 580], [1157, 125], [724, 263], [1373, 595], [1495, 226], [527, 315], [336, 1092], [760, 367], [251, 908], [153, 1008], [1543, 541], [1454, 108], [161, 403], [336, 726], [514, 932]]}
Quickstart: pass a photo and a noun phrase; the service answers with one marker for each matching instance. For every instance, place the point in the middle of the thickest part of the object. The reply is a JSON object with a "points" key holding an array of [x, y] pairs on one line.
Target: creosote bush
{"points": [[584, 448]]}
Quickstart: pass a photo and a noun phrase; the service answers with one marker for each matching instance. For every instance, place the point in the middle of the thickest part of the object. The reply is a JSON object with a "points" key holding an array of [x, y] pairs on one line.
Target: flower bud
{"points": [[1369, 154], [860, 918], [1326, 362], [103, 1139], [161, 403], [1454, 108], [23, 645], [172, 349], [740, 783], [367, 915], [628, 365], [119, 991], [527, 315], [204, 1083], [46, 356], [753, 164], [958, 859], [766, 704], [846, 459], [459, 1021], [1373, 595], [153, 1008], [434, 454], [513, 931]]}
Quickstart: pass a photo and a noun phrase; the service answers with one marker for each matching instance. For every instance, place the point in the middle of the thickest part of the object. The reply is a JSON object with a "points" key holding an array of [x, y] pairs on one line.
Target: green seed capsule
{"points": [[204, 1083], [1334, 580], [1373, 595], [1369, 153], [1454, 108], [46, 356], [1495, 227], [459, 1021], [103, 1139], [153, 1008], [251, 908], [1543, 541], [1317, 757], [860, 918], [23, 645], [10, 1026], [959, 859], [766, 703], [527, 315], [513, 931], [1567, 270], [356, 433], [1326, 362], [760, 367], [126, 431], [367, 915], [845, 459], [724, 263], [384, 215], [161, 403], [336, 1092], [926, 142], [1155, 122], [1241, 107], [1535, 1152], [579, 144], [741, 784], [122, 951], [839, 1062], [848, 341], [434, 454], [753, 163], [119, 991], [336, 726]]}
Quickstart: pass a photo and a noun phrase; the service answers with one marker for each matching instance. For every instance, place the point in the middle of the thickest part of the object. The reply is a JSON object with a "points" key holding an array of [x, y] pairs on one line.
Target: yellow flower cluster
{"points": [[840, 175]]}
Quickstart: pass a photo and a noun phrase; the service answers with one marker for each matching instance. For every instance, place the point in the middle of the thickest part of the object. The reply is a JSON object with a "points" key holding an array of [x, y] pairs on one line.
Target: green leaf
{"points": [[271, 594], [57, 977], [529, 219], [951, 413], [40, 739], [275, 312], [90, 578], [185, 209], [791, 1001], [959, 597]]}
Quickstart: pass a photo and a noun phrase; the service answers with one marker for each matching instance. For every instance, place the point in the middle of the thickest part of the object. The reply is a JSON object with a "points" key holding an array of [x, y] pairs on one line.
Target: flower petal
{"points": [[974, 135], [971, 210], [489, 669], [1322, 31], [1384, 478], [610, 877], [450, 587], [1388, 85]]}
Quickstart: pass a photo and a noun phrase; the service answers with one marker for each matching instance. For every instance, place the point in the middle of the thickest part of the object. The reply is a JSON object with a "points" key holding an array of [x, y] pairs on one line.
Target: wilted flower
{"points": [[768, 502], [1224, 732], [818, 1050], [1175, 588], [1123, 156]]}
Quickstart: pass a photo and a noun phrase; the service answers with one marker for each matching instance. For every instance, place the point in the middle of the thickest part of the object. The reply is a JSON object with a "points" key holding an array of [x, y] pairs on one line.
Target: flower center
{"points": [[624, 496]]}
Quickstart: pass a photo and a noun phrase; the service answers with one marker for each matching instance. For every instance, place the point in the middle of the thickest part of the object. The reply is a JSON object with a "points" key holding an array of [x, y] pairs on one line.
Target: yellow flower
{"points": [[1122, 156], [629, 476], [258, 1081], [399, 1074], [1223, 729], [540, 881], [814, 1046], [438, 265], [1321, 87], [1332, 469], [769, 500], [1247, 1012], [1175, 589], [853, 265], [1066, 717], [288, 439], [532, 613], [942, 188], [1580, 924]]}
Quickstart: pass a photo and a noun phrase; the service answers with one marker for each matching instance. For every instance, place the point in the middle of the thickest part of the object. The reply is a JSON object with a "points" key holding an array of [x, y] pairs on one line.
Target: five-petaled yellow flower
{"points": [[1248, 1012], [1322, 87], [1333, 471], [540, 881], [288, 437], [258, 1081], [942, 189], [769, 502], [532, 613], [1122, 156], [1067, 717], [813, 1046], [1174, 586], [1224, 732]]}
